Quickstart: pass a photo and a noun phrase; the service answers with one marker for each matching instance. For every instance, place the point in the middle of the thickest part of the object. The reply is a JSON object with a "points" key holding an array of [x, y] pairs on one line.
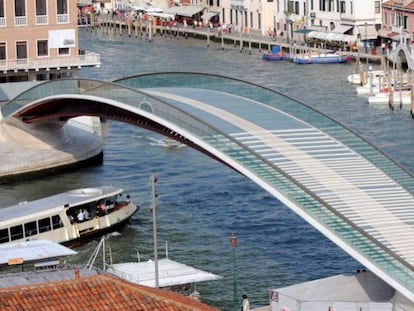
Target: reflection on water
{"points": [[202, 202]]}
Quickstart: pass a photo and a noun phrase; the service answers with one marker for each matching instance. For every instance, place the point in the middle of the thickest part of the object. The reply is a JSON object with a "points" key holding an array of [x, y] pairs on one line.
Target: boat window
{"points": [[91, 209], [30, 229], [16, 232], [4, 235], [110, 202], [56, 222], [44, 225]]}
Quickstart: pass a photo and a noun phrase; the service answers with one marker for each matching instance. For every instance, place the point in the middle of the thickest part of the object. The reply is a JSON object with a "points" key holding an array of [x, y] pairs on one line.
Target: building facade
{"points": [[398, 19], [39, 40], [358, 18]]}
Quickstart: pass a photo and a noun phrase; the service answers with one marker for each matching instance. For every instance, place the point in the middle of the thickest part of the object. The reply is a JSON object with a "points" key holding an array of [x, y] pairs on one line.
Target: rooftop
{"points": [[89, 290]]}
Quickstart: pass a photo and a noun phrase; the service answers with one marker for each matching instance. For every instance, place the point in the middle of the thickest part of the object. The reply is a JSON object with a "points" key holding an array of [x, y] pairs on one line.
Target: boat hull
{"points": [[119, 227], [382, 99], [278, 56], [322, 59]]}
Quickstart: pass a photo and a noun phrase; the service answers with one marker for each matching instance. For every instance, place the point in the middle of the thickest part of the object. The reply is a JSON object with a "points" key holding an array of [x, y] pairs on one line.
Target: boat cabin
{"points": [[67, 217]]}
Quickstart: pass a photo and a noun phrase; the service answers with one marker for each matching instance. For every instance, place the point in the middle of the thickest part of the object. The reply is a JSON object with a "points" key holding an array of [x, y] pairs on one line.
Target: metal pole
{"points": [[241, 30], [366, 40], [150, 29], [234, 281], [371, 82], [153, 180], [233, 244]]}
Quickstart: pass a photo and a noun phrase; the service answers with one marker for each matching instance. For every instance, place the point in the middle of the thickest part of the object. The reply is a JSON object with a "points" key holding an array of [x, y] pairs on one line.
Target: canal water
{"points": [[201, 202]]}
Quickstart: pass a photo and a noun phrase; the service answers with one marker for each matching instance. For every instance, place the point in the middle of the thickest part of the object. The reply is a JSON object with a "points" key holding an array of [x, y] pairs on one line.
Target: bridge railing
{"points": [[339, 226], [131, 93], [406, 50]]}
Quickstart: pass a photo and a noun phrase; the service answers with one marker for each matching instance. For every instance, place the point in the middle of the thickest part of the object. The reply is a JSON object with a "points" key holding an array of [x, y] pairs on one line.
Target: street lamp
{"points": [[153, 180], [233, 245]]}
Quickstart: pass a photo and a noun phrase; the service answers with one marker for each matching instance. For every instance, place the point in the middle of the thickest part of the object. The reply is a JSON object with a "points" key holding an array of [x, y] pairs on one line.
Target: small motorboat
{"points": [[276, 54], [171, 143], [325, 58]]}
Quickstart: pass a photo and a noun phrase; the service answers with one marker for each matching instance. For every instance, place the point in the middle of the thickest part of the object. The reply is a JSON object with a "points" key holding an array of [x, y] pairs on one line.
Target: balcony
{"points": [[20, 21], [86, 59], [2, 22], [62, 18], [237, 5], [42, 20]]}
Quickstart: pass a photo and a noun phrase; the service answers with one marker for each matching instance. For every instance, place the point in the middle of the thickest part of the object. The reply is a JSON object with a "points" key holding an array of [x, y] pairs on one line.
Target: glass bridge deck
{"points": [[339, 183]]}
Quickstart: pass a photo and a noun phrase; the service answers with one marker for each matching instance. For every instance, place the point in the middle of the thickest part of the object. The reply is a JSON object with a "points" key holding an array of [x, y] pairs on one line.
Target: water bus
{"points": [[67, 218]]}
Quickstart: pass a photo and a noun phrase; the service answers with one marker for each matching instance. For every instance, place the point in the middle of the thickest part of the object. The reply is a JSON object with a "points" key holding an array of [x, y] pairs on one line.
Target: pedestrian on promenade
{"points": [[245, 305]]}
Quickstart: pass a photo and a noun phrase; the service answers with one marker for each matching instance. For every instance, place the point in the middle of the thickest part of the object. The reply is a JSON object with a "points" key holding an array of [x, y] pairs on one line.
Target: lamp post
{"points": [[366, 38], [233, 245], [153, 180]]}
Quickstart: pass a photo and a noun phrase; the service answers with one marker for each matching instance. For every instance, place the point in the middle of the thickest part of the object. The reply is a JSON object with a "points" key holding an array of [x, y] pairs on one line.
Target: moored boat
{"points": [[326, 58], [67, 218], [402, 98], [172, 143], [376, 76], [276, 54], [363, 77]]}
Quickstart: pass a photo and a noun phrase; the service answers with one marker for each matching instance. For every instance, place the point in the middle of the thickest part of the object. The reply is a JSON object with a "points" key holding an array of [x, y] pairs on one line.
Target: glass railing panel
{"points": [[288, 187]]}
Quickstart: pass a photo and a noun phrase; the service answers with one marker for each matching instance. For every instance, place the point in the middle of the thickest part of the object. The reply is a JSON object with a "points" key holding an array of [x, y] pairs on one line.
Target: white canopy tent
{"points": [[162, 15], [186, 11], [330, 36], [341, 29], [208, 15]]}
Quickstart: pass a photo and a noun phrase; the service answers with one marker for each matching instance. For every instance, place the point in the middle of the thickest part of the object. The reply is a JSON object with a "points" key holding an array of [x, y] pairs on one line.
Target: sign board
{"points": [[15, 261], [62, 38]]}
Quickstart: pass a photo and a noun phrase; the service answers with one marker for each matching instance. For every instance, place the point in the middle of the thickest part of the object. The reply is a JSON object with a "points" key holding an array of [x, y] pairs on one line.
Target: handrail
{"points": [[84, 59]]}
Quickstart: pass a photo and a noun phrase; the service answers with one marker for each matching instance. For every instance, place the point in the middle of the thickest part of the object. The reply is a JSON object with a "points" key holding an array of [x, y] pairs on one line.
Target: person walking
{"points": [[246, 305]]}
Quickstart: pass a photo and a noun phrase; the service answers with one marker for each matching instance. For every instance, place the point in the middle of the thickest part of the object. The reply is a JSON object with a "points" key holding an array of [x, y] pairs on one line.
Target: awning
{"points": [[394, 36], [154, 10], [162, 15], [208, 15], [187, 11], [383, 33], [342, 29], [317, 35], [367, 32], [330, 36]]}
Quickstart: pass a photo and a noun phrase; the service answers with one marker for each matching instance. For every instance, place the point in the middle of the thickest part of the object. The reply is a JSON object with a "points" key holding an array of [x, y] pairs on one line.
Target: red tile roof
{"points": [[97, 292], [399, 4]]}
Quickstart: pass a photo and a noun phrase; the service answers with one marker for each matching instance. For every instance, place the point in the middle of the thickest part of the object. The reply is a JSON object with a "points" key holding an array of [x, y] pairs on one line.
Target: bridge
{"points": [[344, 187], [402, 53]]}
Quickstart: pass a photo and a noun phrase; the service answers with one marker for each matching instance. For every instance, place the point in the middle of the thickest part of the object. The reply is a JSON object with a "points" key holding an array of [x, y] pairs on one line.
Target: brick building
{"points": [[39, 41]]}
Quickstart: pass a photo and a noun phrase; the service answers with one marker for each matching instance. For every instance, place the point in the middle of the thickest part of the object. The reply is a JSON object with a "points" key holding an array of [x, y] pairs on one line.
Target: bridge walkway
{"points": [[343, 186]]}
